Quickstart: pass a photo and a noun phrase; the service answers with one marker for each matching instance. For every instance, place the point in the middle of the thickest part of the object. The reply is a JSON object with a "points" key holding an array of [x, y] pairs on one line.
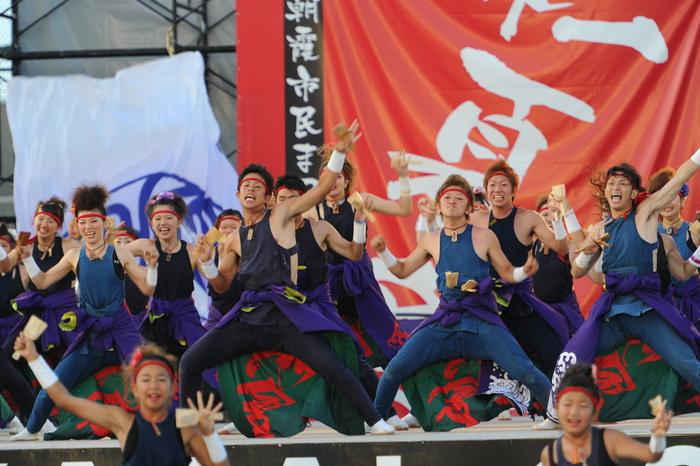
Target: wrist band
{"points": [[421, 224], [152, 275], [696, 157], [3, 254], [43, 373], [571, 222], [209, 269], [30, 265], [217, 452], [359, 232], [388, 258], [404, 186], [432, 226], [582, 260], [657, 445], [519, 274], [336, 162], [559, 230]]}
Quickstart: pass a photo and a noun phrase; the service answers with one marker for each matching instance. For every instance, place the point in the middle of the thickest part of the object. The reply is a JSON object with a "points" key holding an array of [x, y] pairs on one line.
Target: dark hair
{"points": [[461, 183], [86, 198], [5, 234], [501, 167], [146, 352], [599, 181], [54, 206], [349, 167], [227, 213], [659, 179], [170, 199], [290, 181], [579, 375], [127, 229], [257, 169]]}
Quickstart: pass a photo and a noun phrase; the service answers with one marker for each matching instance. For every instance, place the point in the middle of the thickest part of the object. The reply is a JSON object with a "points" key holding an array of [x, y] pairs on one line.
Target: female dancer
{"points": [[49, 304], [172, 321], [226, 222], [353, 284], [100, 268], [147, 436], [577, 402], [136, 301]]}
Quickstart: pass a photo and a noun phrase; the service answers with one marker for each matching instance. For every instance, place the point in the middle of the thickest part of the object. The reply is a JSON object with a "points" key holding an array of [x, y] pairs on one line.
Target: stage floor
{"points": [[494, 442]]}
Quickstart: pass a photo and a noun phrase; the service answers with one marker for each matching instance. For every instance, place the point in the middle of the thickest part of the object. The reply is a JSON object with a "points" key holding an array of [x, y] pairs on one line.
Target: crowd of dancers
{"points": [[292, 267]]}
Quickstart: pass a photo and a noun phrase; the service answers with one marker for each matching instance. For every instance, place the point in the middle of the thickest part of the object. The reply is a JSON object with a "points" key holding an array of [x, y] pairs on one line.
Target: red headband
{"points": [[8, 239], [542, 209], [634, 186], [123, 233], [291, 189], [460, 190], [229, 217], [150, 362], [164, 212], [50, 215], [581, 390], [345, 175], [498, 173], [90, 216], [267, 191]]}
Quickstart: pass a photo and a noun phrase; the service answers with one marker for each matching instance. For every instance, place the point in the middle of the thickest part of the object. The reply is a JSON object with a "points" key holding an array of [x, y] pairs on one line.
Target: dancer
{"points": [[227, 222], [352, 283], [136, 301], [466, 323], [577, 404], [100, 269], [172, 320], [266, 246], [149, 435]]}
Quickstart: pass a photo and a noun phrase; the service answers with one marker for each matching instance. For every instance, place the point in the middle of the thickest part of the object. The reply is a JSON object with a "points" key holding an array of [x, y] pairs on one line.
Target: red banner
{"points": [[555, 88]]}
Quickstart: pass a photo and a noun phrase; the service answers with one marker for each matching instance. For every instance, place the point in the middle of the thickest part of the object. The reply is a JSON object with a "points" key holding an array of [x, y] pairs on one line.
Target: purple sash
{"points": [[183, 318], [108, 333], [689, 297], [569, 308], [320, 299], [358, 281], [213, 318], [291, 303], [523, 290], [50, 309]]}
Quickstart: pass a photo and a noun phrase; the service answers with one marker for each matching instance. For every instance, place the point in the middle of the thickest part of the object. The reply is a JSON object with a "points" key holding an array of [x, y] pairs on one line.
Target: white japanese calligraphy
{"points": [[305, 85], [304, 159], [303, 44], [306, 9], [304, 123]]}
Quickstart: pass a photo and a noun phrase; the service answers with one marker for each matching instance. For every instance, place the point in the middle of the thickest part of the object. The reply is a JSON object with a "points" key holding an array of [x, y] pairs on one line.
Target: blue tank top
{"points": [[101, 290], [313, 262], [459, 257], [144, 447], [628, 253], [598, 457], [681, 240]]}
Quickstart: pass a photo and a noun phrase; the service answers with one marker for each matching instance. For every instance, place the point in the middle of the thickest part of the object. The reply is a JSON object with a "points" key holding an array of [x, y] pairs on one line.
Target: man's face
{"points": [[252, 193], [619, 192], [499, 190]]}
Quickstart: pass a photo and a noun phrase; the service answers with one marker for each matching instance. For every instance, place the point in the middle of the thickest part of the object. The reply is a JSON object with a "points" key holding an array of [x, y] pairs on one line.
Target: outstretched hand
{"points": [[661, 423], [204, 249], [349, 138], [150, 255], [206, 425], [378, 243], [531, 266], [26, 347]]}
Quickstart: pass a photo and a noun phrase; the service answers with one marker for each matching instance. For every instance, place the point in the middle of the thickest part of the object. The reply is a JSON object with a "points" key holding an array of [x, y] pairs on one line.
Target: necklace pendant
{"points": [[43, 256], [91, 256], [250, 234], [168, 257], [454, 236], [335, 207]]}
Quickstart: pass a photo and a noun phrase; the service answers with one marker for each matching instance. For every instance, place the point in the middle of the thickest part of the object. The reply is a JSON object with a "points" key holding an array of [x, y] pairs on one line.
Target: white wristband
{"points": [[43, 373], [432, 226], [359, 232], [696, 157], [388, 258], [421, 224], [657, 445], [209, 269], [336, 162], [3, 254], [30, 265], [695, 258], [404, 186], [559, 230], [572, 222], [519, 275], [582, 260], [152, 275], [217, 452]]}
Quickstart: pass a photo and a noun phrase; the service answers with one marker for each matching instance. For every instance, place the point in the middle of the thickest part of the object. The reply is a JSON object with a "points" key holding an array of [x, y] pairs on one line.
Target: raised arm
{"points": [[586, 259], [109, 417], [220, 277], [403, 268], [139, 247], [145, 278], [43, 280], [352, 250], [402, 207], [558, 242], [626, 447], [658, 201]]}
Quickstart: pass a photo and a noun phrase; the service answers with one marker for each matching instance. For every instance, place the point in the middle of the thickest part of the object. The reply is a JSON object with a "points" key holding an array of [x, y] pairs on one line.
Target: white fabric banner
{"points": [[148, 129]]}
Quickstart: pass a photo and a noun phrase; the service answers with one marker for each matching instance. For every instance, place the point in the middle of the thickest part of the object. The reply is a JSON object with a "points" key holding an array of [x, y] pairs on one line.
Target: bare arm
{"points": [[228, 262], [43, 280], [139, 247], [544, 233], [486, 239], [658, 201], [138, 274], [330, 237], [679, 268], [580, 267], [413, 262], [194, 436]]}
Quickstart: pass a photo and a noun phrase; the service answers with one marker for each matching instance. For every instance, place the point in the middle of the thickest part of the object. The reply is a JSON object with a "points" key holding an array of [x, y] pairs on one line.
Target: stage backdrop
{"points": [[556, 88], [148, 129]]}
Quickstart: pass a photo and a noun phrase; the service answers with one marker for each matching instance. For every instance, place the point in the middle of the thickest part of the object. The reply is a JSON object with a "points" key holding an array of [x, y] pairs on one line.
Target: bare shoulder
{"points": [[69, 243], [479, 218]]}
